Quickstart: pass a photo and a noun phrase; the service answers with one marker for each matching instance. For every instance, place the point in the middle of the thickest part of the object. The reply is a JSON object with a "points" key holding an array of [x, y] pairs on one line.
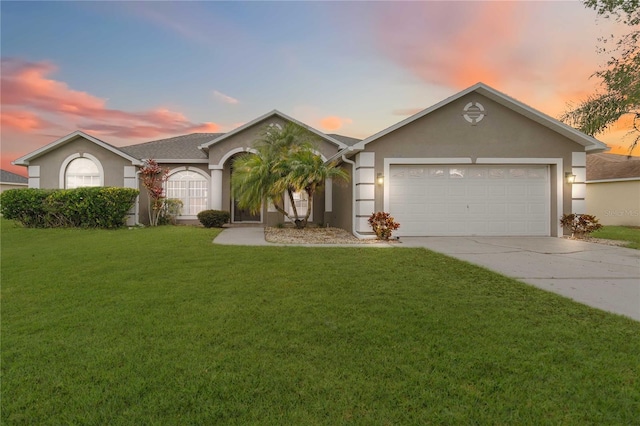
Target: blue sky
{"points": [[128, 72]]}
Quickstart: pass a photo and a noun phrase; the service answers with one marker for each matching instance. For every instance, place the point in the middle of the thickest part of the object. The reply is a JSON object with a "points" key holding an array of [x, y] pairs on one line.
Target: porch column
{"points": [[216, 189]]}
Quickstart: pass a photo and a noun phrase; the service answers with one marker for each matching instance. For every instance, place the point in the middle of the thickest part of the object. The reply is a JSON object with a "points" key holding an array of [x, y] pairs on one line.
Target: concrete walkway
{"points": [[597, 275]]}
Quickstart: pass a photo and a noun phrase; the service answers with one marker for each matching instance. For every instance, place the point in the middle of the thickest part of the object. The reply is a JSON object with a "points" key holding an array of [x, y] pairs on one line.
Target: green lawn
{"points": [[624, 233], [159, 326]]}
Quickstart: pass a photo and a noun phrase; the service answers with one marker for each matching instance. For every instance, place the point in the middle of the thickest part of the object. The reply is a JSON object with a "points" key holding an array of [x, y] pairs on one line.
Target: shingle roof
{"points": [[347, 140], [9, 177], [612, 166], [183, 147]]}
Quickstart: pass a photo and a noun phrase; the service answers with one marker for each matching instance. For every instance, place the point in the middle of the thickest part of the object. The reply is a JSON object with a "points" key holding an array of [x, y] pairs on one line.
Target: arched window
{"points": [[82, 172], [189, 187]]}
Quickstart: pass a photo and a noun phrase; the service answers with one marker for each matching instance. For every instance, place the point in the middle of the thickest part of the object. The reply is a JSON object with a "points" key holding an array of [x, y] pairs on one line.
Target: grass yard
{"points": [[623, 233], [159, 326]]}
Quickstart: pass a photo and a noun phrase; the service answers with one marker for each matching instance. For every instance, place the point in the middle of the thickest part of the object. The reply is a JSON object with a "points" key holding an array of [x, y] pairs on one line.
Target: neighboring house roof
{"points": [[590, 143], [612, 167], [8, 177], [276, 113], [24, 160], [183, 147]]}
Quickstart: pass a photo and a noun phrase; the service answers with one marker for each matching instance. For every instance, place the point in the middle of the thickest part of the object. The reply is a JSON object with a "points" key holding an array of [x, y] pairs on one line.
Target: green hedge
{"points": [[93, 207], [214, 218]]}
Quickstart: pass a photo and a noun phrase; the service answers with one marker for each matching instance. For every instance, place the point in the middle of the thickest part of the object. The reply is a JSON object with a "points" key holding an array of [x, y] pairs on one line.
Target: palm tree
{"points": [[284, 164]]}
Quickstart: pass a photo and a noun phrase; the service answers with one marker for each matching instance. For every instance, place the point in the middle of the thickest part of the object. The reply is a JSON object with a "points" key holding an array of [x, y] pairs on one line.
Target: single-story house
{"points": [[477, 163], [613, 189], [10, 180]]}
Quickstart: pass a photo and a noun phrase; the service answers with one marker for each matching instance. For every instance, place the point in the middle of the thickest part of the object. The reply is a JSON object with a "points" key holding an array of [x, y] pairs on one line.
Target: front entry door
{"points": [[244, 215]]}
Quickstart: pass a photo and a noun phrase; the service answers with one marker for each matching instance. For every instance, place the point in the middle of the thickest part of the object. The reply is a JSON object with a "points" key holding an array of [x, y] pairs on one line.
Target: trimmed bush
{"points": [[214, 218], [27, 206], [91, 207]]}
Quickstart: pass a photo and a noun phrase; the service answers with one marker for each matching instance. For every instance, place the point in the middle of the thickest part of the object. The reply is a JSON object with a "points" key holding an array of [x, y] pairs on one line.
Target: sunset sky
{"points": [[130, 72]]}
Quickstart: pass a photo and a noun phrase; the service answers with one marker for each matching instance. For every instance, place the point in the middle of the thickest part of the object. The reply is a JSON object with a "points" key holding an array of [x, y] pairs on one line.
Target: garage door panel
{"points": [[476, 208], [470, 200], [516, 208]]}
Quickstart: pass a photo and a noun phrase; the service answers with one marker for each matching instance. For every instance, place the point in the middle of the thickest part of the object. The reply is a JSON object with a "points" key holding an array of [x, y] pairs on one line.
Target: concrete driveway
{"points": [[597, 275]]}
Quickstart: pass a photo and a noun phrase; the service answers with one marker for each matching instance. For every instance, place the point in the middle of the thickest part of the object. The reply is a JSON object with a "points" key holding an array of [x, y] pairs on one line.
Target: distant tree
{"points": [[620, 93], [284, 164]]}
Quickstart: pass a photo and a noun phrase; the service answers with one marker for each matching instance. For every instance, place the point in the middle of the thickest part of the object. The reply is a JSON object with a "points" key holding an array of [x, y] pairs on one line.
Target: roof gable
{"points": [[274, 113], [589, 142], [24, 160]]}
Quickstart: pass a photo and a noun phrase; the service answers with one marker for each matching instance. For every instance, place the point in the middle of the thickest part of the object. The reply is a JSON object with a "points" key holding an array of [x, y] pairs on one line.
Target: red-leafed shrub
{"points": [[581, 225], [383, 225]]}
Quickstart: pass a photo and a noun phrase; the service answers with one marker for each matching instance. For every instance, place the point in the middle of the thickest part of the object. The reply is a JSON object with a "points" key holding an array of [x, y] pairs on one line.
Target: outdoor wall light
{"points": [[569, 177], [380, 179]]}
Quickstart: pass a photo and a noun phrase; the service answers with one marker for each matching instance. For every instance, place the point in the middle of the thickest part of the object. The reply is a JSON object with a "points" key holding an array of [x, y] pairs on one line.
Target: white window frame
{"points": [[65, 164], [207, 188]]}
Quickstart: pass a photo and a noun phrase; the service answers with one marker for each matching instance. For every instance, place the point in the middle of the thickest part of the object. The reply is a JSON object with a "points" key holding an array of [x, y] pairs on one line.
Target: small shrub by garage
{"points": [[91, 207], [214, 218]]}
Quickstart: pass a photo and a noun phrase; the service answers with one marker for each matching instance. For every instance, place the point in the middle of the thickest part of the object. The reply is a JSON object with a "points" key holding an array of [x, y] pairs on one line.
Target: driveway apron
{"points": [[598, 275]]}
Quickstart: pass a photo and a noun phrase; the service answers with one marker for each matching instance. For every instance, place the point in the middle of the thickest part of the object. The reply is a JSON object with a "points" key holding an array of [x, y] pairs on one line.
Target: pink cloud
{"points": [[21, 120], [507, 45], [28, 95], [334, 123], [225, 98]]}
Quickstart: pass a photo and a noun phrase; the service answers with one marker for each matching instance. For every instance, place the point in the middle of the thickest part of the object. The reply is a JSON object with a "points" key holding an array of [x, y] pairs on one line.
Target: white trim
{"points": [[33, 180], [15, 183], [62, 181], [230, 154], [24, 160], [215, 200], [274, 112], [498, 160], [494, 160], [614, 180], [328, 195]]}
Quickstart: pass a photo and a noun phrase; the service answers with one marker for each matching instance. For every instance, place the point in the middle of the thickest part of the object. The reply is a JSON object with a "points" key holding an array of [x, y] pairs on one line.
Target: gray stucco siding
{"points": [[51, 162]]}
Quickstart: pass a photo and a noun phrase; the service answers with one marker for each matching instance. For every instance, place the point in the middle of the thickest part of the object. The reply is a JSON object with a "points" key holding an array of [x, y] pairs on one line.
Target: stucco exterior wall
{"points": [[51, 163], [502, 133], [342, 199], [615, 203]]}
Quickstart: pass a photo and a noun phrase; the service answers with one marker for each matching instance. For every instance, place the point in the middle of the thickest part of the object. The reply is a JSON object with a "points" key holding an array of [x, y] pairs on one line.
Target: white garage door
{"points": [[470, 200]]}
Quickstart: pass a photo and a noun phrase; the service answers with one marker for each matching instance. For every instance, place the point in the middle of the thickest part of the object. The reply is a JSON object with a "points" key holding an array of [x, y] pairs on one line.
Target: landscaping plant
{"points": [[383, 225], [153, 177], [171, 209], [285, 162], [581, 225], [87, 207], [213, 218]]}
